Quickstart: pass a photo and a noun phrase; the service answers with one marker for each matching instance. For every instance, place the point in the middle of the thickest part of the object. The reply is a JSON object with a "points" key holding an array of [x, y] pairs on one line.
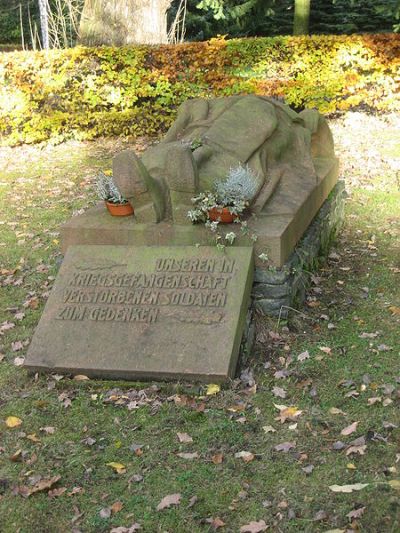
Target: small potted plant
{"points": [[117, 205], [228, 200]]}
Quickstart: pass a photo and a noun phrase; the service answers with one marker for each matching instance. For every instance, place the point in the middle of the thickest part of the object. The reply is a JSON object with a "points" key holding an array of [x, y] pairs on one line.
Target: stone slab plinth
{"points": [[145, 313], [278, 229]]}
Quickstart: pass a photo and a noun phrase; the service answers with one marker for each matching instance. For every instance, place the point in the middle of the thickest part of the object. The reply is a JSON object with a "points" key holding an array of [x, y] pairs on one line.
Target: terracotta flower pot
{"points": [[119, 210], [222, 215]]}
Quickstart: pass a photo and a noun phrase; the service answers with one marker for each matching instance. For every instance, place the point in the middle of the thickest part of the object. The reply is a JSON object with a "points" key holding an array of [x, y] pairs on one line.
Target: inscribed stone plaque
{"points": [[145, 312]]}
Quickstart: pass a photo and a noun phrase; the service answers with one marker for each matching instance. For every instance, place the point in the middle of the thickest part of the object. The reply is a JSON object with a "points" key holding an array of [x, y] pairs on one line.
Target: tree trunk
{"points": [[301, 17], [120, 22], [44, 23]]}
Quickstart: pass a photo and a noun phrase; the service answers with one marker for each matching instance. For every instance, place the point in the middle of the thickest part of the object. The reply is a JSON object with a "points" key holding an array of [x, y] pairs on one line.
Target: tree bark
{"points": [[301, 20], [120, 22], [44, 23]]}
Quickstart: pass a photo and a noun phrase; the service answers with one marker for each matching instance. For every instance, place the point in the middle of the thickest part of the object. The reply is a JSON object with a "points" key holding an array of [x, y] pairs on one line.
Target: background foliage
{"points": [[10, 21], [240, 18], [83, 93], [20, 22]]}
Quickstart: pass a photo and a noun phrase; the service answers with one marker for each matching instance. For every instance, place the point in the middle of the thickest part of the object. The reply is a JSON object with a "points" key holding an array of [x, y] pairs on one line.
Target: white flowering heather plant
{"points": [[233, 193], [107, 190], [241, 184]]}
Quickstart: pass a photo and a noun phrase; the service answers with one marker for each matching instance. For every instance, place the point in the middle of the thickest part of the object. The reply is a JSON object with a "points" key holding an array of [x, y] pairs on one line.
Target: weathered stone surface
{"points": [[146, 313], [276, 234], [96, 226], [271, 285], [270, 306], [249, 335], [287, 151], [271, 276], [265, 290], [135, 182]]}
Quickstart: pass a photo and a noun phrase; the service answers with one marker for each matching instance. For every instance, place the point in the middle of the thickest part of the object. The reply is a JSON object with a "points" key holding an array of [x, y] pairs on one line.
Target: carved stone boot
{"points": [[136, 184]]}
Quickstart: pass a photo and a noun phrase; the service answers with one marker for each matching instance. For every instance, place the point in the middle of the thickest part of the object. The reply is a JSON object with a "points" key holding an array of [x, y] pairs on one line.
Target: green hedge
{"points": [[83, 93]]}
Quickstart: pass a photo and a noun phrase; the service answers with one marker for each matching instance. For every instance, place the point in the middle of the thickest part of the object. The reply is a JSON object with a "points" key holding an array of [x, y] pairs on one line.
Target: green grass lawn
{"points": [[347, 336]]}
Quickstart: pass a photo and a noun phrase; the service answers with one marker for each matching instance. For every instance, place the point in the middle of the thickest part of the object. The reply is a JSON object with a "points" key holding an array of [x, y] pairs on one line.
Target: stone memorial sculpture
{"points": [[146, 296], [284, 149]]}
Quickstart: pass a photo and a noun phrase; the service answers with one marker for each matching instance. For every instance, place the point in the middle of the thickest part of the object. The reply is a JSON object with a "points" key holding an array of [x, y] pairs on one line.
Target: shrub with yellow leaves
{"points": [[83, 93]]}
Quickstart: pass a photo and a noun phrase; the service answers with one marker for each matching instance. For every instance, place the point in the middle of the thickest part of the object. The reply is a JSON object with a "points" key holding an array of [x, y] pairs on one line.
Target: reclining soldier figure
{"points": [[211, 136]]}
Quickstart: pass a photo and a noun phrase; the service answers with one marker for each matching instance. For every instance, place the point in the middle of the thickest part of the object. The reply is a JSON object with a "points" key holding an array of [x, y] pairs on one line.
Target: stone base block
{"points": [[278, 229], [275, 290]]}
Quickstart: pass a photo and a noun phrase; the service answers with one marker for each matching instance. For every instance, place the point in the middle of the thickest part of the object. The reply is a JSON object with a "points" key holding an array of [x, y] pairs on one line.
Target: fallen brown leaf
{"points": [[336, 411], [349, 429], [356, 513], [247, 457], [76, 490], [193, 500], [254, 527], [121, 529], [269, 429], [40, 486], [348, 488], [17, 346], [116, 507], [320, 515], [287, 413], [167, 501], [137, 478], [33, 438], [338, 445], [217, 458], [373, 400], [237, 408], [188, 455], [16, 456], [303, 356], [326, 349], [184, 437], [105, 512], [285, 446], [215, 523], [5, 326], [356, 449], [279, 392], [55, 493], [33, 303], [48, 429], [308, 469]]}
